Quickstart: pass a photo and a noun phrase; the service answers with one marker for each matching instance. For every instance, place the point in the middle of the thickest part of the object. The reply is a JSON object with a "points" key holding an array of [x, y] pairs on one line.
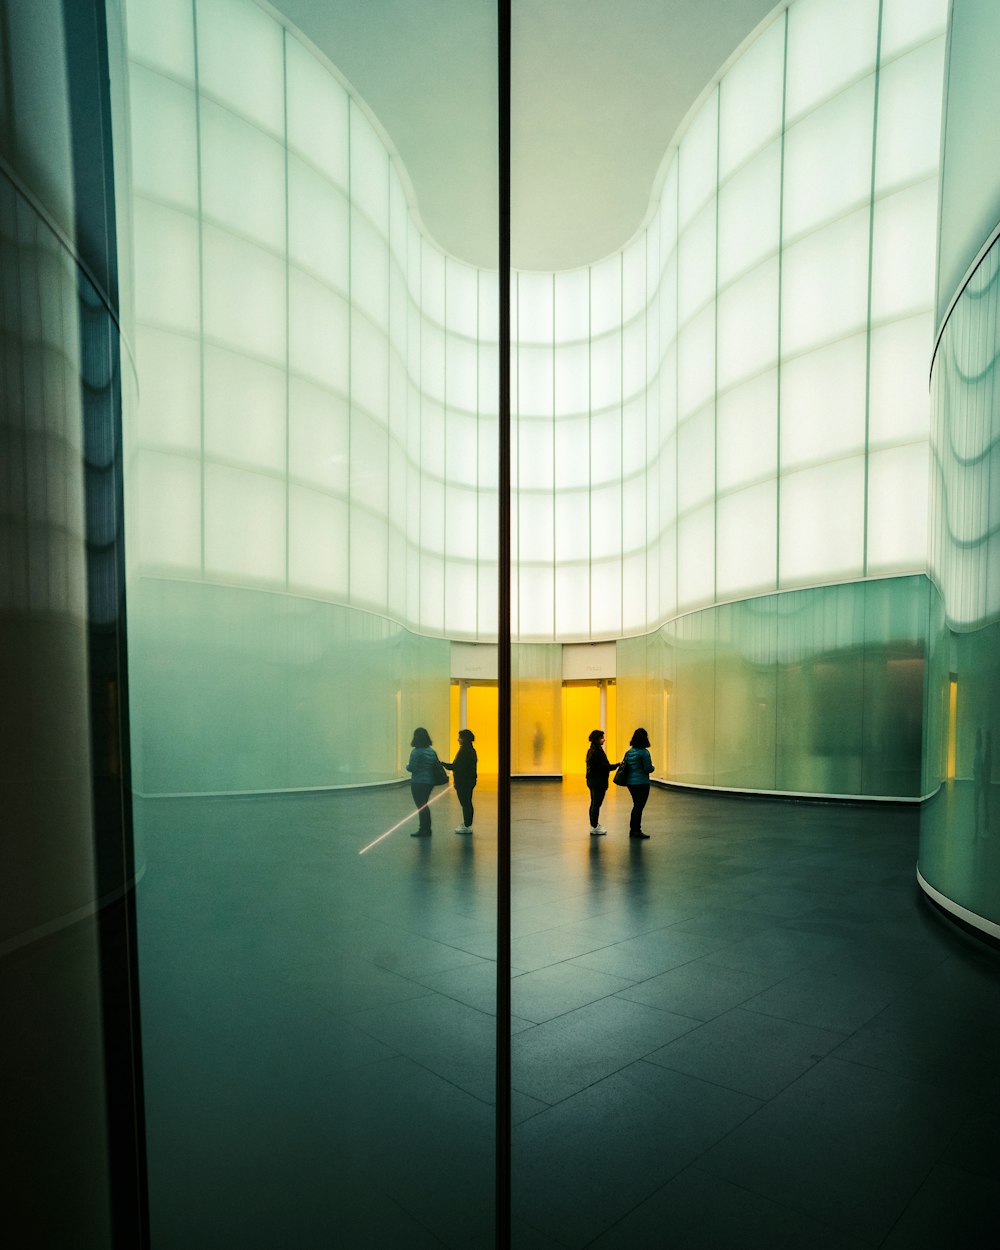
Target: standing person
{"points": [[638, 765], [463, 767], [421, 767], [598, 771]]}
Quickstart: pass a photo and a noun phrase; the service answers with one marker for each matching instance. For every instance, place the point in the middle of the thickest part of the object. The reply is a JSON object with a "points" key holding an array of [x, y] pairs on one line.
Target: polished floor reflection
{"points": [[748, 1031]]}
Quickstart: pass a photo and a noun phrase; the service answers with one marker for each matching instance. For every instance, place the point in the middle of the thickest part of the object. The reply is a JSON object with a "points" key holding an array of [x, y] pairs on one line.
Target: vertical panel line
{"points": [[201, 285], [288, 352], [781, 290], [503, 1070], [868, 310]]}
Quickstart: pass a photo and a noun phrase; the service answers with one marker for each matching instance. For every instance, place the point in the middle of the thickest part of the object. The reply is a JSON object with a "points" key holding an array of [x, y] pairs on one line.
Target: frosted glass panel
{"points": [[317, 542], [907, 22], [369, 463], [634, 279], [244, 411], [572, 306], [462, 524], [825, 285], [369, 271], [605, 372], [605, 448], [572, 378], [319, 338], [461, 449], [572, 453], [535, 603], [369, 171], [235, 156], [909, 117], [696, 558], [696, 264], [903, 252], [749, 213], [164, 139], [747, 432], [431, 282], [698, 159], [634, 359], [751, 97], [460, 600], [240, 60], [897, 508], [169, 416], [572, 526], [822, 523], [317, 114], [244, 525], [572, 612], [318, 226], [696, 460], [748, 326], [606, 296], [829, 45], [244, 291], [605, 522], [605, 600], [828, 158], [635, 611], [747, 541], [899, 402], [369, 556], [823, 404], [318, 437], [166, 267], [462, 298], [534, 308], [534, 455], [169, 528], [696, 363], [535, 527], [162, 35], [534, 381]]}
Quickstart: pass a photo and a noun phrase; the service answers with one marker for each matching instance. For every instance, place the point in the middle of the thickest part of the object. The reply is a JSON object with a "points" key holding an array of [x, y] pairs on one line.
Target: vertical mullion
{"points": [[503, 1071]]}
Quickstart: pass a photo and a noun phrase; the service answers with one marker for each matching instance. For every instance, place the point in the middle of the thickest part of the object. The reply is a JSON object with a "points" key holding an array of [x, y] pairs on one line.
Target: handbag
{"points": [[440, 774], [620, 772]]}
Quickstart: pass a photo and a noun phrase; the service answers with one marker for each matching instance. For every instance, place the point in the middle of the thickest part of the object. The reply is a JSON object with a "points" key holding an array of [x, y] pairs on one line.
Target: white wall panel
{"points": [[244, 526], [241, 61], [821, 535], [314, 93], [751, 99]]}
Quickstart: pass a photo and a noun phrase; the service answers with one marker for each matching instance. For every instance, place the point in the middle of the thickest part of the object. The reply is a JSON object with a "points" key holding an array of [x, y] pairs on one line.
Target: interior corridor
{"points": [[751, 1030]]}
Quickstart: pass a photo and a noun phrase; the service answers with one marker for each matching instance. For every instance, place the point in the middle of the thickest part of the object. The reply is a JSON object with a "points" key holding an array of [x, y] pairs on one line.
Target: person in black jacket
{"points": [[598, 771], [463, 768]]}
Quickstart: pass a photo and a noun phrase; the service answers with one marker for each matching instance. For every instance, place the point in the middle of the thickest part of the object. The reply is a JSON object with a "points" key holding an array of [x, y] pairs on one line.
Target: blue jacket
{"points": [[421, 765], [638, 766]]}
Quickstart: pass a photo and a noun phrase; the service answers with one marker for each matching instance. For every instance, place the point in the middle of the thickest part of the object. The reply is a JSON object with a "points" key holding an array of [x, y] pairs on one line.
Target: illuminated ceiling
{"points": [[599, 89]]}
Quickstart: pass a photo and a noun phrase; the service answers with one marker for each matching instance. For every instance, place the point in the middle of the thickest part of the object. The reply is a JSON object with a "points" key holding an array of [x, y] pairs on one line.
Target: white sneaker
{"points": [[601, 829], [597, 832], [463, 829]]}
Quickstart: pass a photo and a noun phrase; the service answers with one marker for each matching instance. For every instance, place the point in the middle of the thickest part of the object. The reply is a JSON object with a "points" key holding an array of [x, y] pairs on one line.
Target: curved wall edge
{"points": [[985, 926]]}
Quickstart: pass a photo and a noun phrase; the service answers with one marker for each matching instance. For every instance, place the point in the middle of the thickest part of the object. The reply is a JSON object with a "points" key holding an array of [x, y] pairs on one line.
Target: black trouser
{"points": [[639, 796], [597, 793], [421, 793], [465, 798]]}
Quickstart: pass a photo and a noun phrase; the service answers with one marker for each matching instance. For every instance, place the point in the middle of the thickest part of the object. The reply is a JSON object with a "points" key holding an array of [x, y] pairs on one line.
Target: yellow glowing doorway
{"points": [[483, 706], [581, 712]]}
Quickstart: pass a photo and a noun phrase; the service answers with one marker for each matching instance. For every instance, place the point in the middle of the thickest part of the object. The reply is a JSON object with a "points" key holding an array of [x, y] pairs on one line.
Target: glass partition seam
{"points": [[503, 989], [288, 314], [715, 363], [868, 309], [781, 292], [199, 193]]}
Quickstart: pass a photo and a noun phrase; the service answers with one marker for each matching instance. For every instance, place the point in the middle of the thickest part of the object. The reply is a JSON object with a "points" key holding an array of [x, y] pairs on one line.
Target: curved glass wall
{"points": [[731, 405], [958, 828]]}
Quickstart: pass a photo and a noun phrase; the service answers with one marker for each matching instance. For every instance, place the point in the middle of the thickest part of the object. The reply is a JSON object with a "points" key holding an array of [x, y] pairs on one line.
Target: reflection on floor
{"points": [[746, 1032]]}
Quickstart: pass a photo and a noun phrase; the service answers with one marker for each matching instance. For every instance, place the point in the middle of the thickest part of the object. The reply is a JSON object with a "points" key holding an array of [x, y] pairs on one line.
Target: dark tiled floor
{"points": [[748, 1032]]}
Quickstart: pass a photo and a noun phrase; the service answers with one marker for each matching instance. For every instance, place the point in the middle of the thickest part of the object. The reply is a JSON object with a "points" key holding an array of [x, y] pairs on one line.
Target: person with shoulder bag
{"points": [[598, 772], [636, 766]]}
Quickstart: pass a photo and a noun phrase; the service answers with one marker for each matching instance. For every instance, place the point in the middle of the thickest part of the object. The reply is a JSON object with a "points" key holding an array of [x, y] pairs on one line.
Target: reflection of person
{"points": [[463, 766], [638, 766], [421, 767], [598, 771], [982, 768], [538, 743]]}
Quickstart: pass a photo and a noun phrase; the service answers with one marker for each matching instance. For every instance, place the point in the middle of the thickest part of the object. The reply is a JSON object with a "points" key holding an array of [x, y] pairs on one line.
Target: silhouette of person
{"points": [[463, 768], [538, 743], [598, 771], [638, 767], [421, 767]]}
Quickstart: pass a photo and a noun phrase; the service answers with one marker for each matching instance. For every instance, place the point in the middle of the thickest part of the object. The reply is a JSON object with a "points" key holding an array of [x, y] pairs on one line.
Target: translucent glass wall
{"points": [[731, 405], [816, 691], [958, 827]]}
